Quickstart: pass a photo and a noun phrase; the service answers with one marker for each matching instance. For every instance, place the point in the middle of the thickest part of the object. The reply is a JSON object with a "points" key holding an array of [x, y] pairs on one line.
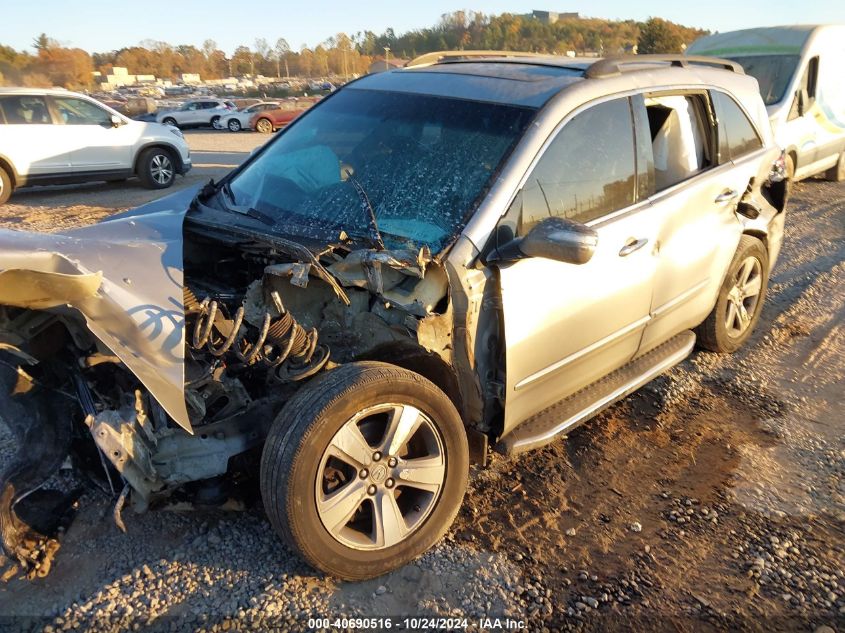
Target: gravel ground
{"points": [[710, 500]]}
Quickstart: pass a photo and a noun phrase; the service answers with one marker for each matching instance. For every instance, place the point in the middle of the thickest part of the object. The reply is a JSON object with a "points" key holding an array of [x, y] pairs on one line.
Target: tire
{"points": [[5, 186], [296, 460], [234, 125], [170, 121], [837, 172], [715, 334], [215, 122], [156, 168], [265, 126]]}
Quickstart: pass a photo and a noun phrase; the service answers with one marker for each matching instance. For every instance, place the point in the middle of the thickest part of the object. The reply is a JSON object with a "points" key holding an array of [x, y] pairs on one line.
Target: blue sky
{"points": [[100, 25]]}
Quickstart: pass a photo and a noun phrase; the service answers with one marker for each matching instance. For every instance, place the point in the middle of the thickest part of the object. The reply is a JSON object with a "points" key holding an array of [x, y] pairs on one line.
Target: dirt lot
{"points": [[712, 499]]}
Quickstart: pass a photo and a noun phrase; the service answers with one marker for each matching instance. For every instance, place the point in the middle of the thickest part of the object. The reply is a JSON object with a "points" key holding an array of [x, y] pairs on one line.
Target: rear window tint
{"points": [[24, 109], [737, 135]]}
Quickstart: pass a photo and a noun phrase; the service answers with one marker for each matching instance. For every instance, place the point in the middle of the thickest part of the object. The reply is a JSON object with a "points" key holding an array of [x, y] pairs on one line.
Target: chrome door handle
{"points": [[630, 247], [726, 195]]}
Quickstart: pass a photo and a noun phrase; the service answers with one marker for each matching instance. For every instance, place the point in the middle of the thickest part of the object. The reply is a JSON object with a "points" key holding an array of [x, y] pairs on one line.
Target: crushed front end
{"points": [[153, 354]]}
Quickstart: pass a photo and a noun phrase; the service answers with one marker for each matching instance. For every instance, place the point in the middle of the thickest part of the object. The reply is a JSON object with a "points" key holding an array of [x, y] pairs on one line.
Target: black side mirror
{"points": [[561, 240]]}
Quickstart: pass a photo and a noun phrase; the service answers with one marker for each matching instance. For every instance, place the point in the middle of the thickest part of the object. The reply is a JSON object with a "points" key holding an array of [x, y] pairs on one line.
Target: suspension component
{"points": [[282, 344]]}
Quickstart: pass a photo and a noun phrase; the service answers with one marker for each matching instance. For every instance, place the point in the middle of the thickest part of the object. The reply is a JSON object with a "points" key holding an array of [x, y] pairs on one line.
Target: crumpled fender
{"points": [[125, 276]]}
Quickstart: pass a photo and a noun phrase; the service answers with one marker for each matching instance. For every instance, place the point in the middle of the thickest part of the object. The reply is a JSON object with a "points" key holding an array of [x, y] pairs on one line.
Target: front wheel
{"points": [[234, 125], [215, 122], [265, 126], [156, 168], [364, 469], [740, 300], [170, 121]]}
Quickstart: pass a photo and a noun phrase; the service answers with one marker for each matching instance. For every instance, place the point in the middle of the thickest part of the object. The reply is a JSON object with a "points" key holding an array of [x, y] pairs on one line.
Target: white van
{"points": [[800, 72]]}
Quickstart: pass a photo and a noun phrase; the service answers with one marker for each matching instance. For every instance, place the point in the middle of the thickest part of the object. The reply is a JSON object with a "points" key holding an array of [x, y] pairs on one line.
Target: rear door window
{"points": [[25, 110], [737, 135], [680, 127], [587, 171]]}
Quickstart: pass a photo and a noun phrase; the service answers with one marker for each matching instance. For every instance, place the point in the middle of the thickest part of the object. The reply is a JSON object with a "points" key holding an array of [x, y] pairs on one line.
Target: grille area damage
{"points": [[155, 357]]}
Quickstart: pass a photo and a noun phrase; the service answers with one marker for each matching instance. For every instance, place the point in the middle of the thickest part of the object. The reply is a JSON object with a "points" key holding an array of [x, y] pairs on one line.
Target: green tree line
{"points": [[52, 64]]}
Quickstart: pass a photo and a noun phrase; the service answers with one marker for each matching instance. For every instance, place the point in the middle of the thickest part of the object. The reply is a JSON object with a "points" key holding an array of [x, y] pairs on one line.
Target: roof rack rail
{"points": [[612, 66], [436, 57]]}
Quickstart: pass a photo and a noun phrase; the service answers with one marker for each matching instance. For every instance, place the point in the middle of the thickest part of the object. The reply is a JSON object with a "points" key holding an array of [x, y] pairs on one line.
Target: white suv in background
{"points": [[196, 113], [56, 137]]}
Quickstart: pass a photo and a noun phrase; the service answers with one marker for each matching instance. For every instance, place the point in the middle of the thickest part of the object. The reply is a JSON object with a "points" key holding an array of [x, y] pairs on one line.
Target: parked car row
{"points": [[265, 117]]}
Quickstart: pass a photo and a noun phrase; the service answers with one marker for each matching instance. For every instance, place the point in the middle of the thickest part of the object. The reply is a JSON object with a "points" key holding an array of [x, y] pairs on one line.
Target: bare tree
{"points": [[282, 49]]}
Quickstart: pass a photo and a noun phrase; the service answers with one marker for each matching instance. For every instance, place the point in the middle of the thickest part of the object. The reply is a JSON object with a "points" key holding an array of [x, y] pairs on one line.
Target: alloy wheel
{"points": [[744, 297], [380, 476], [161, 169]]}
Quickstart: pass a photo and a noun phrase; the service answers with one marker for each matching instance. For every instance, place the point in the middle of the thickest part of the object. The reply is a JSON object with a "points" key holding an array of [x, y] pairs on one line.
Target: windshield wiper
{"points": [[250, 212], [367, 207]]}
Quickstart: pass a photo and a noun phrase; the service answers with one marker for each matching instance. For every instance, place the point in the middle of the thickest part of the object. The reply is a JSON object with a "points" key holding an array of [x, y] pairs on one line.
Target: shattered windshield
{"points": [[419, 164], [772, 72]]}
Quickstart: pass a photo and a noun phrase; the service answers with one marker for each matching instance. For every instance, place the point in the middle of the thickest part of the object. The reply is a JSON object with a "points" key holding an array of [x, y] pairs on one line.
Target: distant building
{"points": [[380, 65], [550, 17], [119, 77], [191, 78]]}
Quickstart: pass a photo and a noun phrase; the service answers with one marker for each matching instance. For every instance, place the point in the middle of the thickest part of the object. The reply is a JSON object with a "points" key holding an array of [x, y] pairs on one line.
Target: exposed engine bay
{"points": [[87, 354]]}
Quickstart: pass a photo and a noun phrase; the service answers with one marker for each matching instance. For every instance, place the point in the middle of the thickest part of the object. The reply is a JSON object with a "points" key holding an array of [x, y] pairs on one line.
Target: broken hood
{"points": [[125, 276]]}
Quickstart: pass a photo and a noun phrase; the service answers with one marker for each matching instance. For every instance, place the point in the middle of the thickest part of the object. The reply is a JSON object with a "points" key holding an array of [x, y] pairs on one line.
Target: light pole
{"points": [[386, 57]]}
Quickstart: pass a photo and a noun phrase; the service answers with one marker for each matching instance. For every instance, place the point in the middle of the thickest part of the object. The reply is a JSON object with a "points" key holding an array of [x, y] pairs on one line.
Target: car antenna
{"points": [[366, 206]]}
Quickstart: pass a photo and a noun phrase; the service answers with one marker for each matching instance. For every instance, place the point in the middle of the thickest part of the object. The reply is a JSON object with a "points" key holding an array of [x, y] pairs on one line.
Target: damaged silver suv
{"points": [[475, 248]]}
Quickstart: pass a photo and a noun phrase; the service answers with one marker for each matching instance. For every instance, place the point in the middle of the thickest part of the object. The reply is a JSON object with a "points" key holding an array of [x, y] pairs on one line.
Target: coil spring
{"points": [[278, 340]]}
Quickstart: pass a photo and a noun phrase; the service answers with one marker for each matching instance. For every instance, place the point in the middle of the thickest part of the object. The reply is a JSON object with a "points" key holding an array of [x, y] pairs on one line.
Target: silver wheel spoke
{"points": [[426, 473], [337, 509], [350, 446], [730, 321], [744, 317], [745, 272], [752, 287], [390, 526], [404, 422]]}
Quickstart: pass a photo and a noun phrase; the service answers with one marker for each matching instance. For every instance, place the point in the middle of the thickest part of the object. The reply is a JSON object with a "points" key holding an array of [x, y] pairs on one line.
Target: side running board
{"points": [[542, 428]]}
